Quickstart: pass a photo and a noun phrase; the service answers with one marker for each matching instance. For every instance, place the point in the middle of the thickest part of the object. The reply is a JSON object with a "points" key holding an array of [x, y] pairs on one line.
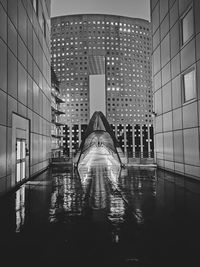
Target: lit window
{"points": [[187, 26], [189, 85]]}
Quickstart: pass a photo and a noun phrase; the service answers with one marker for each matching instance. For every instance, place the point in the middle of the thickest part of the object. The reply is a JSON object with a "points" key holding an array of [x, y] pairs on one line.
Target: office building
{"points": [[56, 124], [25, 90], [176, 72], [103, 63]]}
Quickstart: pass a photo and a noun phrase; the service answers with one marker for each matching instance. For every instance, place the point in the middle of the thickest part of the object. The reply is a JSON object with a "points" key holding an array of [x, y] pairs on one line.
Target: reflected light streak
{"points": [[64, 200], [139, 216], [20, 208]]}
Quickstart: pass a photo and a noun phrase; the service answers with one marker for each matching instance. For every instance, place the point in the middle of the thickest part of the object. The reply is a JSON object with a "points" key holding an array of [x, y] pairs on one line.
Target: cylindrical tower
{"points": [[119, 48]]}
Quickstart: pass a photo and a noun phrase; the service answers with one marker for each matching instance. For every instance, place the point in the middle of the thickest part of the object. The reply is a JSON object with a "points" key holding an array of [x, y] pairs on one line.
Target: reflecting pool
{"points": [[102, 216]]}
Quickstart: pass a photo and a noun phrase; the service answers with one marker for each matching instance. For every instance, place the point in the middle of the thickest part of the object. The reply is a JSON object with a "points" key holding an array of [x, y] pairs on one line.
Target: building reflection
{"points": [[139, 190], [20, 208], [135, 211], [97, 182], [66, 198], [99, 198]]}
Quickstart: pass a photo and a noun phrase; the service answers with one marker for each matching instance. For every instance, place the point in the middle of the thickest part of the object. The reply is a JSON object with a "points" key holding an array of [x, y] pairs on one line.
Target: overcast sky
{"points": [[129, 8]]}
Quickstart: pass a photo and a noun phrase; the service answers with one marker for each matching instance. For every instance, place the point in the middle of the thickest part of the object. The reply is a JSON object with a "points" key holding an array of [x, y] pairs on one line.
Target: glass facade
{"points": [[176, 72], [56, 125], [25, 95]]}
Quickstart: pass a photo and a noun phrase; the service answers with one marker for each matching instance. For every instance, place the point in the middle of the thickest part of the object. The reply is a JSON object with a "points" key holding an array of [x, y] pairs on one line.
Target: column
{"points": [[125, 140], [133, 139], [116, 132], [79, 134], [61, 139], [141, 141], [149, 147], [70, 139]]}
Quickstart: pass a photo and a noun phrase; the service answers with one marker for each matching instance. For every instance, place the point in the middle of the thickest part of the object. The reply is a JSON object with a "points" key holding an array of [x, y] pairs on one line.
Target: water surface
{"points": [[102, 217]]}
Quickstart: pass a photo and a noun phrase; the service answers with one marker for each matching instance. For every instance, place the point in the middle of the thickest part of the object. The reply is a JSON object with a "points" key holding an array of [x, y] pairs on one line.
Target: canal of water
{"points": [[138, 217]]}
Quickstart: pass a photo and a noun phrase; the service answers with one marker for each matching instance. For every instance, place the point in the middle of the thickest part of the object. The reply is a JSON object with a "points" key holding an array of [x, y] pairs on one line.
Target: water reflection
{"points": [[139, 191], [20, 208], [37, 201], [96, 182], [66, 197], [138, 216], [99, 187], [104, 199]]}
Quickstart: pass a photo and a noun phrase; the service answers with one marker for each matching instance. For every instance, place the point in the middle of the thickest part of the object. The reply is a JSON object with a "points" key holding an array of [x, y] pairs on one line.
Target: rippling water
{"points": [[103, 216]]}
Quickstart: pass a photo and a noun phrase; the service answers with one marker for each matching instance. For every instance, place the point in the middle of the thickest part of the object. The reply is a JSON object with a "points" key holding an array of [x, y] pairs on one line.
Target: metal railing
{"points": [[139, 154], [61, 159], [143, 158], [132, 157]]}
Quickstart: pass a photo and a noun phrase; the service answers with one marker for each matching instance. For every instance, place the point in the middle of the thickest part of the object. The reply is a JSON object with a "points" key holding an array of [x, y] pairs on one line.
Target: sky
{"points": [[128, 8]]}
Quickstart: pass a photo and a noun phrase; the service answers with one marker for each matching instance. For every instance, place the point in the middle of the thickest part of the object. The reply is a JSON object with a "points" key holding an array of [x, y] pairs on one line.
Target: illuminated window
{"points": [[189, 85], [187, 24]]}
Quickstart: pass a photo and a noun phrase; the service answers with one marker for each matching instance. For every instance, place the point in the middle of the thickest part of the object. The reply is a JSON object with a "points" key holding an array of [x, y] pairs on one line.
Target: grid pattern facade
{"points": [[176, 72], [25, 93], [78, 42], [56, 125]]}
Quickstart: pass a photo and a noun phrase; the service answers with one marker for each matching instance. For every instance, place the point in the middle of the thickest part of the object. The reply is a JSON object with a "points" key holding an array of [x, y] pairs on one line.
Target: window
{"points": [[187, 25], [189, 85]]}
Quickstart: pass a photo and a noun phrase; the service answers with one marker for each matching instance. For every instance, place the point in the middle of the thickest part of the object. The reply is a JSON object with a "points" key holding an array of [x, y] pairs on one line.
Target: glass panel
{"points": [[189, 86], [188, 25], [18, 149], [18, 172], [23, 170], [23, 150]]}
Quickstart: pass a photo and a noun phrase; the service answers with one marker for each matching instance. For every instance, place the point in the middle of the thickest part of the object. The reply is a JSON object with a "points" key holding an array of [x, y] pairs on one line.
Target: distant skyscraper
{"points": [[105, 59], [56, 125]]}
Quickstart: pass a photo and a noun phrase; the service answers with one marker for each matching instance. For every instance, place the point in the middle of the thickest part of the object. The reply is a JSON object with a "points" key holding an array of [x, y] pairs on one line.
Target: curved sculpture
{"points": [[99, 163], [99, 138], [99, 144]]}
